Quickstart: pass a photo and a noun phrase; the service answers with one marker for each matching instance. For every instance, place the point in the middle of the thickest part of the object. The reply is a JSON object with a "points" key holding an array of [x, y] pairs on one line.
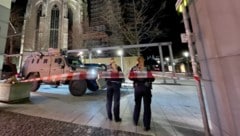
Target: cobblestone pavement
{"points": [[15, 124]]}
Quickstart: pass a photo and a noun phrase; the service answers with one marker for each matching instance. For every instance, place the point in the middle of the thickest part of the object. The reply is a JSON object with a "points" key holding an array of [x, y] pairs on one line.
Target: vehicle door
{"points": [[57, 66], [41, 65]]}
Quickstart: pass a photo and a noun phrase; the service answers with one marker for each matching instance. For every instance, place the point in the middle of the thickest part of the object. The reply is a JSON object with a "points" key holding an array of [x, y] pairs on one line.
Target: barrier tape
{"points": [[140, 74], [104, 74], [107, 74], [66, 76], [197, 78], [165, 75]]}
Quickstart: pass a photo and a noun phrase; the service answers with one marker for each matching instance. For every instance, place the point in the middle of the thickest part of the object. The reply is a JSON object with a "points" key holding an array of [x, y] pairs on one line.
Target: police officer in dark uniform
{"points": [[113, 92], [142, 89]]}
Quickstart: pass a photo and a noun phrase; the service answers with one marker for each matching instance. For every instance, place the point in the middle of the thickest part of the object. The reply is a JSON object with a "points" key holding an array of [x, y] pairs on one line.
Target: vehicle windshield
{"points": [[73, 61]]}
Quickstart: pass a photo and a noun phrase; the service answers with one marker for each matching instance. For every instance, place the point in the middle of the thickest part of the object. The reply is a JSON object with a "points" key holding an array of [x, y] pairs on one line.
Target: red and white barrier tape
{"points": [[140, 74], [103, 74], [197, 78], [68, 76], [165, 75], [107, 74]]}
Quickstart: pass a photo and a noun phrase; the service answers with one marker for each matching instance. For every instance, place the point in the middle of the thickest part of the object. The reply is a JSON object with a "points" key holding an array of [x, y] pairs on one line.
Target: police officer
{"points": [[113, 92], [142, 89]]}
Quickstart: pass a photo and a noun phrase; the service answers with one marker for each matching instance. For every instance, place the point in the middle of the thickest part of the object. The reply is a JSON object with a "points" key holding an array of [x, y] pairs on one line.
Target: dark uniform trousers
{"points": [[141, 91], [113, 93]]}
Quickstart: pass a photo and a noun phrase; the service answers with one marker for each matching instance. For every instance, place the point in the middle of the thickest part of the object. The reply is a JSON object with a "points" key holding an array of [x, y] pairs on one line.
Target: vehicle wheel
{"points": [[36, 84], [92, 85], [77, 87]]}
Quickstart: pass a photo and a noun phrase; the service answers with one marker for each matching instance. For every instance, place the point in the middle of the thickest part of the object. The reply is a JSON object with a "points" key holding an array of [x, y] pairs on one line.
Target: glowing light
{"points": [[80, 53], [186, 54], [167, 59], [99, 51], [181, 4], [120, 52], [92, 73]]}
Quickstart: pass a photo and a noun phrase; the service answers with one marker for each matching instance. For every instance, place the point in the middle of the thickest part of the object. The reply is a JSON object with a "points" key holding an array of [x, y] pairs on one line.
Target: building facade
{"points": [[5, 6], [68, 24], [53, 24], [216, 27], [103, 17]]}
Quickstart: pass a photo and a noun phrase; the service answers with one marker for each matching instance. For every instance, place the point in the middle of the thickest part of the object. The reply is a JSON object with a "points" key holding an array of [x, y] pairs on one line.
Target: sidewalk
{"points": [[24, 125], [175, 109]]}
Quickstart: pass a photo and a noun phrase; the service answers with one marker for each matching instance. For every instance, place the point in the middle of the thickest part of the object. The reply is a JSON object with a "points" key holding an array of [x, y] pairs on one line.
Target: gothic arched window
{"points": [[70, 30], [39, 13], [54, 27]]}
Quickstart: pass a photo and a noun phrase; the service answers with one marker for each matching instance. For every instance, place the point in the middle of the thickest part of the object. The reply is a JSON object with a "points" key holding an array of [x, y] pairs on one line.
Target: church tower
{"points": [[53, 24]]}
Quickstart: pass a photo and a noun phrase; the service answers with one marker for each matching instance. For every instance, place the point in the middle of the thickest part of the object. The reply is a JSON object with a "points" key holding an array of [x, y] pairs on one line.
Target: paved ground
{"points": [[175, 112], [24, 125]]}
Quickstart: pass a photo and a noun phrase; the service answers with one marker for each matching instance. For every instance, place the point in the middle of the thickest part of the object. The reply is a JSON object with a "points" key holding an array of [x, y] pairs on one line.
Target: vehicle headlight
{"points": [[92, 73]]}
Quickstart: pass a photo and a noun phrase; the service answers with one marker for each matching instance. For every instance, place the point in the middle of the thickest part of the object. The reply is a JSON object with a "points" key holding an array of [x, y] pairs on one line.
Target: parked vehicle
{"points": [[42, 65]]}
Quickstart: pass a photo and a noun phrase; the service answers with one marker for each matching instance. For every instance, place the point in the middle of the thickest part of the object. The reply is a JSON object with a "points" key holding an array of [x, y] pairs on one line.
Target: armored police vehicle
{"points": [[39, 65]]}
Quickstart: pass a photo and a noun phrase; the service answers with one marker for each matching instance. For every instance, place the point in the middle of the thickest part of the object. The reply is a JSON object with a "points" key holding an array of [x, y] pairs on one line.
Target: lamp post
{"points": [[181, 7], [167, 61], [120, 53], [186, 55]]}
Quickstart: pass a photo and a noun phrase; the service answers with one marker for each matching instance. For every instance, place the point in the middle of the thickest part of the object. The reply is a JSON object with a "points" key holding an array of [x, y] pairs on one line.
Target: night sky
{"points": [[171, 22]]}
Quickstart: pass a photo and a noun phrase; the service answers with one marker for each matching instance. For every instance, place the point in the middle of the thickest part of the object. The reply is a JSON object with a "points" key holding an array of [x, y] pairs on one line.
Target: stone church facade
{"points": [[67, 24], [53, 24]]}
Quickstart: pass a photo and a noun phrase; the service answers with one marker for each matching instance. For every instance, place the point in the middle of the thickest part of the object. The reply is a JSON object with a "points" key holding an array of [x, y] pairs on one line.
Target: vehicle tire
{"points": [[36, 84], [77, 87], [92, 85]]}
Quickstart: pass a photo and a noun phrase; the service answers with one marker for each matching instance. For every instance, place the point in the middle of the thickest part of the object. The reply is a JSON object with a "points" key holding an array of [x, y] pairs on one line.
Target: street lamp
{"points": [[80, 53], [186, 55], [99, 51], [120, 53], [167, 61]]}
